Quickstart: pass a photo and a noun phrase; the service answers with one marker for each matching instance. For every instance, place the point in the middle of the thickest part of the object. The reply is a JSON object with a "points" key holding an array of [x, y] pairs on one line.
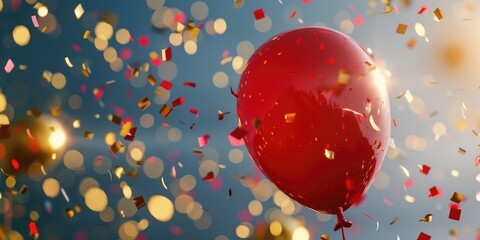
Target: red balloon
{"points": [[316, 117]]}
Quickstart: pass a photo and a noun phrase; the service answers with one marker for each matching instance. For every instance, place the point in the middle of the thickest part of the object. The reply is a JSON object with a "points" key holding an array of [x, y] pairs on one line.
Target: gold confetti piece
{"points": [[180, 27], [420, 30], [78, 208], [457, 197], [290, 117], [343, 77], [226, 60], [23, 189], [47, 75], [324, 237], [374, 125], [117, 146], [164, 185], [115, 119], [438, 13], [411, 43], [329, 154], [118, 171], [402, 28], [85, 70], [464, 109], [405, 171], [55, 111], [238, 3], [42, 168], [407, 95], [70, 213], [427, 218], [22, 67], [166, 54], [139, 201], [462, 151], [67, 61], [65, 195], [76, 124], [79, 11], [151, 79], [409, 199], [88, 134], [166, 110], [86, 34], [394, 220], [34, 112], [475, 133], [144, 103]]}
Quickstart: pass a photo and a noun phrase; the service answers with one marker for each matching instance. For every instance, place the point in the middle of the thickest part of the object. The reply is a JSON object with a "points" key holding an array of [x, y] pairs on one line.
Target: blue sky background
{"points": [[407, 69]]}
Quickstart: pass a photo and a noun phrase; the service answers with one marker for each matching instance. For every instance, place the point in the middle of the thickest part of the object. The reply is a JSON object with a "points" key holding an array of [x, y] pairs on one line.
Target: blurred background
{"points": [[85, 153]]}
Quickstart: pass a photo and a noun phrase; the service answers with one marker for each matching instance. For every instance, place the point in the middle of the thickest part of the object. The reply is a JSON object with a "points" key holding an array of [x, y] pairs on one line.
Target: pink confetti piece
{"points": [[408, 184], [351, 6], [369, 216], [235, 142], [477, 161], [395, 8], [203, 140], [35, 21], [29, 134], [9, 66], [358, 20], [387, 202], [225, 54], [174, 172], [144, 41], [125, 53]]}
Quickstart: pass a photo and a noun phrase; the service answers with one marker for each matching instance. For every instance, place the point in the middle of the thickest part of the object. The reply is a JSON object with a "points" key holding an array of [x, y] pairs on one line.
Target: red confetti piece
{"points": [[33, 227], [307, 1], [131, 135], [425, 169], [259, 14], [434, 192], [144, 41], [209, 176], [238, 133], [166, 84], [35, 21], [9, 66], [194, 111], [293, 15], [394, 122], [455, 212], [177, 102], [369, 216], [175, 230], [331, 60], [225, 54], [156, 61], [203, 140], [190, 84], [83, 88], [15, 164], [423, 8], [4, 133], [423, 236], [477, 161], [232, 92], [167, 54], [76, 48], [408, 184]]}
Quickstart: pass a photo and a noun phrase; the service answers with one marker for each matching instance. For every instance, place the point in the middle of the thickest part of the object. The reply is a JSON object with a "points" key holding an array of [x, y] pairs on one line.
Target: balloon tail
{"points": [[341, 221], [343, 234]]}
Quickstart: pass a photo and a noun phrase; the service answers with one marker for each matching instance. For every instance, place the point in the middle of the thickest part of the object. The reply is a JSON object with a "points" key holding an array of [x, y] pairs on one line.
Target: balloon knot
{"points": [[341, 221]]}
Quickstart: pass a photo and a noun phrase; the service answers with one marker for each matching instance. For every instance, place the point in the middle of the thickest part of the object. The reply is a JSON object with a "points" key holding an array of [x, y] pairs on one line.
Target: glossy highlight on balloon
{"points": [[316, 117]]}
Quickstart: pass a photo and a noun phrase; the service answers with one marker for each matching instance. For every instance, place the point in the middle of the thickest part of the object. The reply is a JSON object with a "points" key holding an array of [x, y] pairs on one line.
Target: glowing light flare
{"points": [[57, 138]]}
